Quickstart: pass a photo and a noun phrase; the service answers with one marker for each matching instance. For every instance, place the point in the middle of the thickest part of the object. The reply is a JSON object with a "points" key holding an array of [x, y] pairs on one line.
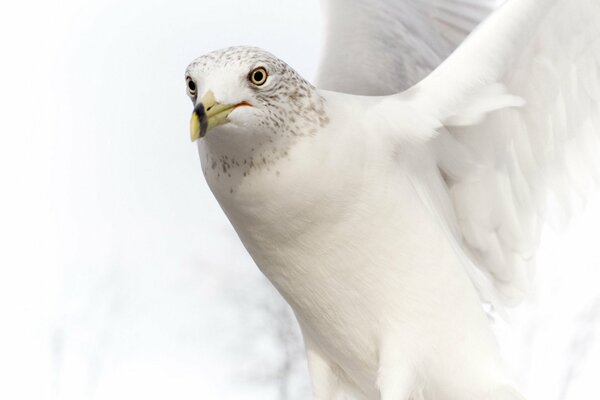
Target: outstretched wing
{"points": [[519, 108], [378, 47]]}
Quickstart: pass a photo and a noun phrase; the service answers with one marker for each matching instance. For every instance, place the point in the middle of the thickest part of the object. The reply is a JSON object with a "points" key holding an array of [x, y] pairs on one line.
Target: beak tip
{"points": [[198, 123]]}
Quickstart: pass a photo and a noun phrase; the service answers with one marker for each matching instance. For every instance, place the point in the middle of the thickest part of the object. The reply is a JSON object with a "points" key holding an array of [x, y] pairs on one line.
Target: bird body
{"points": [[385, 221], [359, 278]]}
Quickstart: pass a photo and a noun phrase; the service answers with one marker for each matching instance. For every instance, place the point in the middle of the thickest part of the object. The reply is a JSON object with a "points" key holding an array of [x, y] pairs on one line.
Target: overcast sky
{"points": [[120, 276]]}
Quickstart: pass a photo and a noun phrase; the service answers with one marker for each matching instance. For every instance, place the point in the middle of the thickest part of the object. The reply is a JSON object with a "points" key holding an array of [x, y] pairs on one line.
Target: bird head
{"points": [[247, 90]]}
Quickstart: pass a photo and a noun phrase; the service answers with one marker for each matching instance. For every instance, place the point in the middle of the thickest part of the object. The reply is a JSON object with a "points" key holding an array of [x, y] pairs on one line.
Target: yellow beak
{"points": [[209, 113]]}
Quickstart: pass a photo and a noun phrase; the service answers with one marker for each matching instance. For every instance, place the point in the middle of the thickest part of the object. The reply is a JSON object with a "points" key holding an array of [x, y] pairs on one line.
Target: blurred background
{"points": [[121, 278]]}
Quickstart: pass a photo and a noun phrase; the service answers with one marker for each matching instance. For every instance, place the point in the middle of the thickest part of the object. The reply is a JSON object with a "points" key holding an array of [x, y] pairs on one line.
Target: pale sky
{"points": [[119, 275]]}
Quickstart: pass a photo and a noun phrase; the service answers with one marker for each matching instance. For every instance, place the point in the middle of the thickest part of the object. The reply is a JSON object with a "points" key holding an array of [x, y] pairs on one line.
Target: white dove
{"points": [[385, 221]]}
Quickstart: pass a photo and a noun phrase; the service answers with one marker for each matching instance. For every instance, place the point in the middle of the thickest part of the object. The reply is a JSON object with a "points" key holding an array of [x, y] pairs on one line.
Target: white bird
{"points": [[386, 221]]}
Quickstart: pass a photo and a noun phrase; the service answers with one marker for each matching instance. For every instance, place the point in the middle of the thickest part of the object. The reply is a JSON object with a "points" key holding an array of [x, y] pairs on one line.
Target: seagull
{"points": [[388, 205]]}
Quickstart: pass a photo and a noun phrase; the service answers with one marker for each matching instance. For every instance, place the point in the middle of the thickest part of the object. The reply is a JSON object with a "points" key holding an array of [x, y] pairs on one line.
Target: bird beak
{"points": [[209, 113]]}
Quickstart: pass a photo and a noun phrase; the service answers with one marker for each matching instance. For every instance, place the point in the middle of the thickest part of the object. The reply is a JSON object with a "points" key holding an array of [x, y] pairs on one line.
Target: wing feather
{"points": [[509, 166], [518, 106], [377, 47]]}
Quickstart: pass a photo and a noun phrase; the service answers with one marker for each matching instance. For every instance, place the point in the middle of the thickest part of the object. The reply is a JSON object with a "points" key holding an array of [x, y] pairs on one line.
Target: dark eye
{"points": [[191, 86], [258, 76]]}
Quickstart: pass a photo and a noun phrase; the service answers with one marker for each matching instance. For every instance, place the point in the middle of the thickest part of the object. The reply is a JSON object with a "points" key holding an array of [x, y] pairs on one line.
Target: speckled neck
{"points": [[229, 155]]}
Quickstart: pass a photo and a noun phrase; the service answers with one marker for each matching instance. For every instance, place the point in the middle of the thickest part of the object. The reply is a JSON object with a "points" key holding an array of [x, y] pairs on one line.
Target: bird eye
{"points": [[258, 76], [191, 86]]}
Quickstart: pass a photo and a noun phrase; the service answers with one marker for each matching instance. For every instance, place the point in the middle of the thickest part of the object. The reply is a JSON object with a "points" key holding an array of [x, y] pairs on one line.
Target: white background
{"points": [[120, 277]]}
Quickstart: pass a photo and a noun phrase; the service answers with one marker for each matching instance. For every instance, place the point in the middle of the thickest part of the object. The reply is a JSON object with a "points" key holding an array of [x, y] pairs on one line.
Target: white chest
{"points": [[349, 258]]}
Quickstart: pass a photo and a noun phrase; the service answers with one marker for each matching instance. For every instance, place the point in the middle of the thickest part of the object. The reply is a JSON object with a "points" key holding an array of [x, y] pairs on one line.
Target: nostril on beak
{"points": [[208, 109]]}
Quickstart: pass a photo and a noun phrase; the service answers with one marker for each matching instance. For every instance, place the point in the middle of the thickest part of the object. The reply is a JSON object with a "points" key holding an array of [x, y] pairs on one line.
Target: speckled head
{"points": [[249, 88], [249, 105]]}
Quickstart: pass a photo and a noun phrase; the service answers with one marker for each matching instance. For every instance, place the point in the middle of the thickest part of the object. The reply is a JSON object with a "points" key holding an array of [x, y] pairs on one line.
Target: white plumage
{"points": [[384, 221], [379, 47], [504, 171]]}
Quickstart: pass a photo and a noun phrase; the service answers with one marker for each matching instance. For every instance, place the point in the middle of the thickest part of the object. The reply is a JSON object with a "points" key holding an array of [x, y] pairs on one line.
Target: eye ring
{"points": [[191, 86], [258, 76]]}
